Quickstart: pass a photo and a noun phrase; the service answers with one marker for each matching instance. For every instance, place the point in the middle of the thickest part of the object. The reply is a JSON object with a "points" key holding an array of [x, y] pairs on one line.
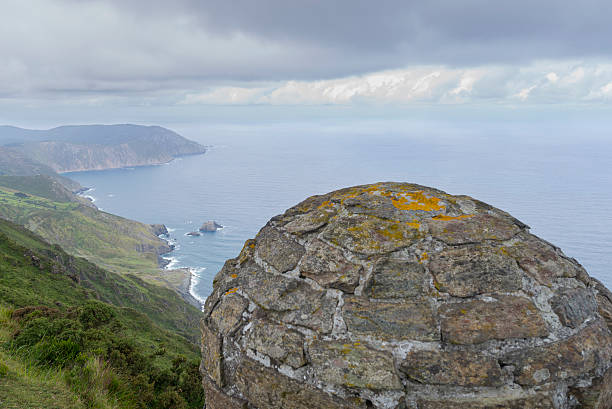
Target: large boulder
{"points": [[396, 295]]}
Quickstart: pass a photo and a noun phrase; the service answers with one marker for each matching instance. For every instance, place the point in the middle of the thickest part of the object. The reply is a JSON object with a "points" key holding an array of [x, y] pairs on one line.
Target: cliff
{"points": [[401, 296], [97, 147]]}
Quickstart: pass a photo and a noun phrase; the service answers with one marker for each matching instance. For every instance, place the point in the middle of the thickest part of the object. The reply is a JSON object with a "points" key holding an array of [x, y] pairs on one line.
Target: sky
{"points": [[86, 59]]}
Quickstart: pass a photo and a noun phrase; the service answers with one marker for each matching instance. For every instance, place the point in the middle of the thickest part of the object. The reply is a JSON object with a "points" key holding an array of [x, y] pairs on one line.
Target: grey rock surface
{"points": [[399, 296]]}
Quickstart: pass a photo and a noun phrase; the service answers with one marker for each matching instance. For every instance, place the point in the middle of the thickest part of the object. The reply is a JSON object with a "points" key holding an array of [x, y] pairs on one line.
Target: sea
{"points": [[556, 179]]}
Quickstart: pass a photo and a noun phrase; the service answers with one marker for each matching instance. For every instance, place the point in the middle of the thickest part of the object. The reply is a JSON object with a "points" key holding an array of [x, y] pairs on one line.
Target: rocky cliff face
{"points": [[401, 296]]}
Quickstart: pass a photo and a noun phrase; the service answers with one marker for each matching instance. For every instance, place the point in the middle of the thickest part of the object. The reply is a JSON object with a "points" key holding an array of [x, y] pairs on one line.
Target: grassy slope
{"points": [[14, 163], [35, 273], [39, 185], [161, 305], [118, 244], [108, 241], [24, 386]]}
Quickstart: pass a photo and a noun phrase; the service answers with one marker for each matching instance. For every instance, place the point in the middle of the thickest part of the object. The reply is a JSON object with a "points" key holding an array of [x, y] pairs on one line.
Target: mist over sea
{"points": [[557, 180]]}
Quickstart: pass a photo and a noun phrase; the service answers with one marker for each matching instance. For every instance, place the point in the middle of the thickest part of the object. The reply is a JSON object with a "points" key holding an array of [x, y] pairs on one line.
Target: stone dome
{"points": [[397, 295]]}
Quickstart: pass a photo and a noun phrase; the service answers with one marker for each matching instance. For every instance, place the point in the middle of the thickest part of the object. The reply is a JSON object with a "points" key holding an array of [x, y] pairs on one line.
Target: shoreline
{"points": [[186, 288]]}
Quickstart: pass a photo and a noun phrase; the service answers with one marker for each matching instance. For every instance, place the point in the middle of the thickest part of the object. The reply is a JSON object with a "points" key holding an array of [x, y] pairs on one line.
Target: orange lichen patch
{"points": [[249, 244], [447, 218], [414, 224], [325, 204], [403, 200], [423, 257], [347, 194], [231, 291], [415, 201], [234, 275], [374, 188]]}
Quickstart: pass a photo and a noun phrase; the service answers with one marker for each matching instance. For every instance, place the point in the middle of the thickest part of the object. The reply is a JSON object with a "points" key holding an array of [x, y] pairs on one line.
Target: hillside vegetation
{"points": [[45, 186], [73, 335], [119, 244]]}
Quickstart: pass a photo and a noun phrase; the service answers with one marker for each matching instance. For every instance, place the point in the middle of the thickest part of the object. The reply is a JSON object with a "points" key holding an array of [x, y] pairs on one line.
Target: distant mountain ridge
{"points": [[76, 148]]}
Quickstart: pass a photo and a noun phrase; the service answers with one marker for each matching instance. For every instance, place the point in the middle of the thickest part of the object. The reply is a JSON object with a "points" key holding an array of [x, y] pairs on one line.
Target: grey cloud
{"points": [[139, 46], [399, 32]]}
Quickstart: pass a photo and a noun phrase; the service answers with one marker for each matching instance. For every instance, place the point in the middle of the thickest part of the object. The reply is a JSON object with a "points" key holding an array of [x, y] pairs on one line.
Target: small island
{"points": [[210, 226]]}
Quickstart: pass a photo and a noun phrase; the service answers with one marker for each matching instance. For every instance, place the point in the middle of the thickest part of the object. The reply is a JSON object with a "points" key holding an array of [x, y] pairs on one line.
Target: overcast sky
{"points": [[312, 52]]}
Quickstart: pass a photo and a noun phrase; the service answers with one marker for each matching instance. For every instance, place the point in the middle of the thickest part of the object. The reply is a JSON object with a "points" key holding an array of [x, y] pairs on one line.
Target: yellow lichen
{"points": [[447, 218], [423, 257], [392, 231], [416, 201], [414, 224], [403, 200], [325, 204], [231, 291], [346, 349]]}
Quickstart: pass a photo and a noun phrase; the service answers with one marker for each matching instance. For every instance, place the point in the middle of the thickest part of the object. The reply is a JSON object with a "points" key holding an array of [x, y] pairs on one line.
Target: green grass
{"points": [[24, 385], [110, 241], [32, 388], [73, 335]]}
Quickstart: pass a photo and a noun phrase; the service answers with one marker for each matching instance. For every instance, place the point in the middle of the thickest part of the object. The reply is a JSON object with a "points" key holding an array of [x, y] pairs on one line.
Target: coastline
{"points": [[185, 290], [189, 274], [82, 193], [182, 279]]}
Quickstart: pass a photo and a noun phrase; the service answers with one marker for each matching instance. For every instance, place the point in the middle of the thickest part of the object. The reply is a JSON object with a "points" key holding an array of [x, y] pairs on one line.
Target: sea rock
{"points": [[194, 234], [210, 225], [399, 296]]}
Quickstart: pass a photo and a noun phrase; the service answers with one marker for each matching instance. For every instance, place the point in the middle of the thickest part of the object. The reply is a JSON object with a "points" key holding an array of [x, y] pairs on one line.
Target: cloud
{"points": [[538, 83], [191, 52], [117, 45]]}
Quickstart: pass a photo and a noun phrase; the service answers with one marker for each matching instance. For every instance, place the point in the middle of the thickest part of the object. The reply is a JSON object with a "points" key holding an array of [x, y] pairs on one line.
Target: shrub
{"points": [[106, 368], [95, 313], [55, 352]]}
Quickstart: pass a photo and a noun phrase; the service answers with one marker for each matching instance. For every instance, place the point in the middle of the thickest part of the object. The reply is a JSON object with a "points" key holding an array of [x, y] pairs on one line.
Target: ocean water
{"points": [[558, 181]]}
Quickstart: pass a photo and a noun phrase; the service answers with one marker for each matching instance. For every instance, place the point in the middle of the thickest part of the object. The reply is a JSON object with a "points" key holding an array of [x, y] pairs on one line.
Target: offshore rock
{"points": [[397, 296], [210, 225]]}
